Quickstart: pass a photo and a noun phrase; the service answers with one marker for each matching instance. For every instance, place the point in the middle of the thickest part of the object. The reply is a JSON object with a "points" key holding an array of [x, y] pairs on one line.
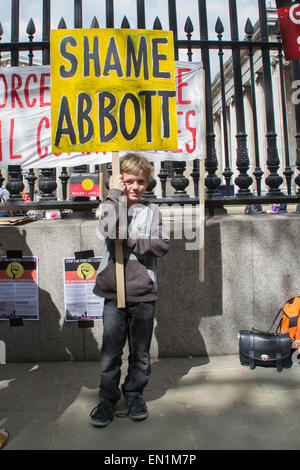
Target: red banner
{"points": [[289, 21]]}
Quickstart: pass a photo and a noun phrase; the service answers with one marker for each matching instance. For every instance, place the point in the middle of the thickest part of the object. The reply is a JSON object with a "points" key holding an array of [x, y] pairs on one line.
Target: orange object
{"points": [[290, 322]]}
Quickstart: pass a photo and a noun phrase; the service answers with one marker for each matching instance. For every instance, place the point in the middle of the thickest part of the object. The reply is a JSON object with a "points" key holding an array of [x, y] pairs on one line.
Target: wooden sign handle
{"points": [[202, 201], [101, 185], [120, 279], [202, 223]]}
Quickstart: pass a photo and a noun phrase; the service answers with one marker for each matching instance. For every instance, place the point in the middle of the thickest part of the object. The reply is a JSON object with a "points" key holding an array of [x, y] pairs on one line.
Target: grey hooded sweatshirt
{"points": [[140, 228]]}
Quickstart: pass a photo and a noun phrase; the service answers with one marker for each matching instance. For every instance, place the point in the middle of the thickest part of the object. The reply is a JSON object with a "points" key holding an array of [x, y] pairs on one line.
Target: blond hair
{"points": [[134, 162]]}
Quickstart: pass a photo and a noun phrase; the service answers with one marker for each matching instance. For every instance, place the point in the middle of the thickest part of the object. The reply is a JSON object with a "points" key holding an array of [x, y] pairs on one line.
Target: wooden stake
{"points": [[101, 185], [202, 201], [120, 279], [202, 223]]}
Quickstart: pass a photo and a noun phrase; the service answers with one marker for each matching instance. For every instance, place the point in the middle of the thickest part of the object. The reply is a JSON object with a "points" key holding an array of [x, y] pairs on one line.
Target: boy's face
{"points": [[135, 187]]}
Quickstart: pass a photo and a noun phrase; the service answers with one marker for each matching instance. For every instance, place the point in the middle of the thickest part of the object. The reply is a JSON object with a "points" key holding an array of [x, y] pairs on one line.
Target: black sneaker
{"points": [[102, 414], [137, 408]]}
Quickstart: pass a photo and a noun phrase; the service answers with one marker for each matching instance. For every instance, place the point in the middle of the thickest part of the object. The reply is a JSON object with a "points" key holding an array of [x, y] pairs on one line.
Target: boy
{"points": [[143, 241]]}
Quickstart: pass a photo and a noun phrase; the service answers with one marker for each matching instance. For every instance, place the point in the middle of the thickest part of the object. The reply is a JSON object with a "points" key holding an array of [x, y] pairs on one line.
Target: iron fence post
{"points": [[15, 14], [141, 18], [273, 180], [258, 173], [214, 198], [243, 181], [110, 13], [212, 181], [46, 30], [227, 173], [296, 78]]}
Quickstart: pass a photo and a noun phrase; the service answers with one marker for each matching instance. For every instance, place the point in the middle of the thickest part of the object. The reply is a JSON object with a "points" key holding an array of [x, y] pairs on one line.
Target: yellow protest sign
{"points": [[112, 89]]}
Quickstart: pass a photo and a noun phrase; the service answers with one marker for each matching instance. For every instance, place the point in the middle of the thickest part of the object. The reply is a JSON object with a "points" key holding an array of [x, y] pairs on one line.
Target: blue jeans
{"points": [[134, 322]]}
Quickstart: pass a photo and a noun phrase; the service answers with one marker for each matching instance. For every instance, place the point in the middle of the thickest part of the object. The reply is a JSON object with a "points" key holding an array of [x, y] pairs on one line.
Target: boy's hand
{"points": [[117, 182]]}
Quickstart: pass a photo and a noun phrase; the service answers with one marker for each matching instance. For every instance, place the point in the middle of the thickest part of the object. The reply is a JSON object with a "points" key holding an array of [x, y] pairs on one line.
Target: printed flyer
{"points": [[19, 292], [79, 280], [85, 184]]}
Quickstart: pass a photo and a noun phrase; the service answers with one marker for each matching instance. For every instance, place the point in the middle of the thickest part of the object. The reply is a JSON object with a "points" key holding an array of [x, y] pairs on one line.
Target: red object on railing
{"points": [[289, 22]]}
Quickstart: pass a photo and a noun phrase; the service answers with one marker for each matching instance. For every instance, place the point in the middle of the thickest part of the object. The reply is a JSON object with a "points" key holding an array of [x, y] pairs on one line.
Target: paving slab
{"points": [[195, 403]]}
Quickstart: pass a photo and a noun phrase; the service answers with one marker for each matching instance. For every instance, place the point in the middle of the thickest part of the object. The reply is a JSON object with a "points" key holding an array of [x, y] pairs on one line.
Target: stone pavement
{"points": [[194, 404]]}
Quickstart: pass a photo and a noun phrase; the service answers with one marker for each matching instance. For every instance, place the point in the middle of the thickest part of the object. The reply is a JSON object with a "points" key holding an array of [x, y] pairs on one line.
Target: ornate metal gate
{"points": [[251, 181]]}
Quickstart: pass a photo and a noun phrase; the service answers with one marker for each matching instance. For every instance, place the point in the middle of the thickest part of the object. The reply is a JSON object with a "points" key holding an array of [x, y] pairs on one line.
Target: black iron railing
{"points": [[280, 184]]}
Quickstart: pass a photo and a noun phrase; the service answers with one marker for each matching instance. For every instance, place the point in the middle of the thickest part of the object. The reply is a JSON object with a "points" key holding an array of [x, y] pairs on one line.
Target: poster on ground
{"points": [[19, 292], [79, 280]]}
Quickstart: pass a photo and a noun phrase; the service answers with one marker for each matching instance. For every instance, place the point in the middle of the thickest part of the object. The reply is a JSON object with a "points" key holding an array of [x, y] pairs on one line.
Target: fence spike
{"points": [[249, 30], [95, 23], [188, 27], [157, 23], [30, 27], [219, 28], [277, 29], [62, 24], [125, 23]]}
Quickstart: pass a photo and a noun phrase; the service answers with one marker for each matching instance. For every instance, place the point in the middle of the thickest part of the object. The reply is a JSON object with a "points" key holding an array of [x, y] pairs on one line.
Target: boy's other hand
{"points": [[117, 182]]}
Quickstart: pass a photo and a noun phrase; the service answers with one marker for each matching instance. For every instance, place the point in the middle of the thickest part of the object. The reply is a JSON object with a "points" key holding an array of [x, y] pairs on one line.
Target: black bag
{"points": [[263, 348]]}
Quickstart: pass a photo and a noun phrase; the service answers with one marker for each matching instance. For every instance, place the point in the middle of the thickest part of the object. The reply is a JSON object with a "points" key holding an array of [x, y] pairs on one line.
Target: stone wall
{"points": [[251, 269]]}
